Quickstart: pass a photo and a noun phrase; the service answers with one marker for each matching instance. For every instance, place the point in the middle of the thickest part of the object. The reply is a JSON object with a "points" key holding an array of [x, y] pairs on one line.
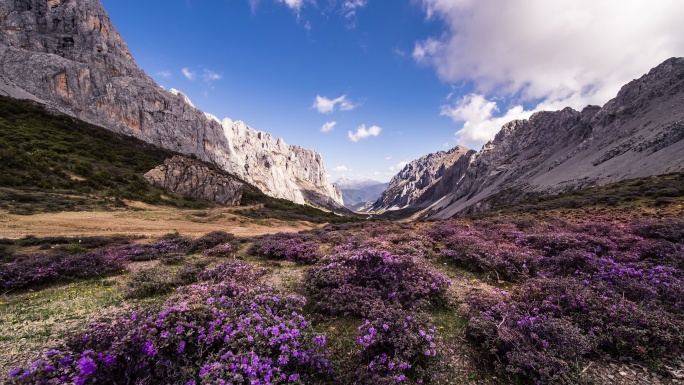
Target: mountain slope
{"points": [[356, 193], [417, 177], [67, 55], [637, 134]]}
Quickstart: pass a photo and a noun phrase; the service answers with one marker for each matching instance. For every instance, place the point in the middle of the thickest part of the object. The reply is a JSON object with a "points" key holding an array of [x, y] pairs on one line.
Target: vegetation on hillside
{"points": [[52, 163]]}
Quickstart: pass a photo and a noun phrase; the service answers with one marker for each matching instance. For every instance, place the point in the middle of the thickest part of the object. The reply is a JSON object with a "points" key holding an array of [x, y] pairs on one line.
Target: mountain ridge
{"points": [[638, 133], [68, 55]]}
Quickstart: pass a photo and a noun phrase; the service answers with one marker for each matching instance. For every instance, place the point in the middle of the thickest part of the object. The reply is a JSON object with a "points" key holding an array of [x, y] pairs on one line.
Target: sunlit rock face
{"points": [[637, 134], [67, 55], [416, 178]]}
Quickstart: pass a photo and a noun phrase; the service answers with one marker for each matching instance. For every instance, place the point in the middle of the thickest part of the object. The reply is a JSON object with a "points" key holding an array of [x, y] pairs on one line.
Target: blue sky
{"points": [[398, 78]]}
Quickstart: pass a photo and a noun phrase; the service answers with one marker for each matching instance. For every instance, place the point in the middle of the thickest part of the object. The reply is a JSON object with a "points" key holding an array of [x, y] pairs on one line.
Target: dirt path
{"points": [[141, 220]]}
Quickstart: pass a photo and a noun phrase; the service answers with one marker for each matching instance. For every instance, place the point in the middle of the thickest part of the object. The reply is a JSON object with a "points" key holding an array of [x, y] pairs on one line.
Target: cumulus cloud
{"points": [[397, 167], [551, 53], [190, 75], [295, 5], [341, 169], [363, 133], [327, 106], [328, 126], [480, 123], [209, 75]]}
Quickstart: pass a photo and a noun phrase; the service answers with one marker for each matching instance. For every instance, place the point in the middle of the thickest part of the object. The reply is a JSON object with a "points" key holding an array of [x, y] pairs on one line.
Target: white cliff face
{"points": [[68, 55]]}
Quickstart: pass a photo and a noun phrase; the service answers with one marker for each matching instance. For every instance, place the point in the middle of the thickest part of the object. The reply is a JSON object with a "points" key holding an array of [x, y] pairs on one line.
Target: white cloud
{"points": [[363, 133], [209, 75], [164, 74], [554, 53], [341, 169], [295, 5], [328, 126], [190, 75], [388, 158], [480, 123], [327, 106], [349, 7], [376, 173], [397, 167]]}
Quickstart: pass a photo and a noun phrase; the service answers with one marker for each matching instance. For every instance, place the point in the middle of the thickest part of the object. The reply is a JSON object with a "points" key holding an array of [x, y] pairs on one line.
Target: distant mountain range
{"points": [[639, 133], [359, 194], [68, 56]]}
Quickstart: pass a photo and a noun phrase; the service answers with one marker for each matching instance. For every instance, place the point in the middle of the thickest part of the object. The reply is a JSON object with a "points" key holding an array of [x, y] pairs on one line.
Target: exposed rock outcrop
{"points": [[192, 178], [68, 55], [637, 134], [416, 178]]}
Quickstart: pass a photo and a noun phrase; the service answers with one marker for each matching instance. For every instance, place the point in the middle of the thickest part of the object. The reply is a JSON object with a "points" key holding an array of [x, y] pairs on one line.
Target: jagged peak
{"points": [[180, 94]]}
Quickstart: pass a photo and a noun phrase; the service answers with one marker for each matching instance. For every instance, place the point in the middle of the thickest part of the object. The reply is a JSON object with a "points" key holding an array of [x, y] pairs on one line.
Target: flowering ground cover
{"points": [[514, 298]]}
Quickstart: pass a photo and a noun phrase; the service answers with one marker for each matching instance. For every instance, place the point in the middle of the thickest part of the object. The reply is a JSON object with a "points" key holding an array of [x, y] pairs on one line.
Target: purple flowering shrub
{"points": [[205, 334], [597, 285], [148, 252], [354, 282], [215, 243], [298, 248], [234, 271], [396, 345], [44, 269]]}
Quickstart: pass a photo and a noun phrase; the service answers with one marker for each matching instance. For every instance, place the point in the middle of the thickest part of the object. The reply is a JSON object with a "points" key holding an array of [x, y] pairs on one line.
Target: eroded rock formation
{"points": [[68, 55]]}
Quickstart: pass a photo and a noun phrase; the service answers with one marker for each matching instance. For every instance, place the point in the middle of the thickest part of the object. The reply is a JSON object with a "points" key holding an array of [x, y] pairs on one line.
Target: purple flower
{"points": [[15, 372], [86, 366], [181, 347], [109, 360], [148, 348]]}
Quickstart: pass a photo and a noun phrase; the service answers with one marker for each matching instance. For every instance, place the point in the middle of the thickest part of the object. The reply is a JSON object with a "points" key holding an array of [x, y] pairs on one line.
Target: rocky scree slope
{"points": [[417, 177], [639, 133], [67, 55]]}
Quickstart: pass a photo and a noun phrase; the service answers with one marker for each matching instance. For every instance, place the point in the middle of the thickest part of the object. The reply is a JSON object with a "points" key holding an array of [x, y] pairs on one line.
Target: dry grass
{"points": [[142, 220]]}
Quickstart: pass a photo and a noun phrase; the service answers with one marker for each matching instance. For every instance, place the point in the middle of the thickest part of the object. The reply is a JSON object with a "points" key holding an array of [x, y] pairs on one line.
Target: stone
{"points": [[192, 178], [415, 178], [68, 55]]}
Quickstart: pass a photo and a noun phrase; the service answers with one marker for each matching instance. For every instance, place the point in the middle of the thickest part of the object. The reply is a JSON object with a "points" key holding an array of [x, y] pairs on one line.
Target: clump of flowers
{"points": [[396, 346], [233, 271], [43, 269], [299, 248], [354, 282], [215, 243], [205, 334]]}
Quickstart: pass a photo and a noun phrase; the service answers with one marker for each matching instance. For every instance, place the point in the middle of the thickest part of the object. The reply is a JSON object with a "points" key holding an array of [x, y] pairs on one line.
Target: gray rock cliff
{"points": [[192, 178], [639, 133], [416, 178], [68, 55]]}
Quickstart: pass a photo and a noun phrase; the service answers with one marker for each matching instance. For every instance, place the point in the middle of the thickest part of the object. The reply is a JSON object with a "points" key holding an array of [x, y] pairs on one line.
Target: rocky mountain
{"points": [[358, 193], [67, 55], [192, 178], [638, 133], [417, 177]]}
